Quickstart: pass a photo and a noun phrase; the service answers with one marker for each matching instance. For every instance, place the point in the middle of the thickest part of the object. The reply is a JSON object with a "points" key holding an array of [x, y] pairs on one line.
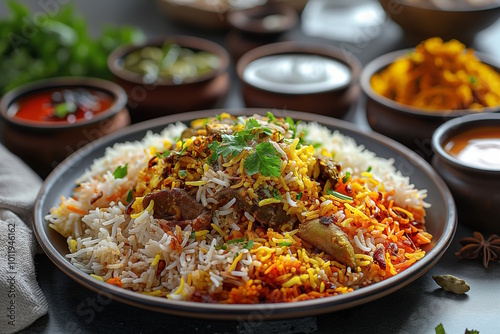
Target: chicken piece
{"points": [[328, 170], [328, 237], [177, 207], [271, 215]]}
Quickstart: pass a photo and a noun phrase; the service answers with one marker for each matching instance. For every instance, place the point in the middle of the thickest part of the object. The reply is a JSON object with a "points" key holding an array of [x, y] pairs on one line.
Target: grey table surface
{"points": [[417, 308]]}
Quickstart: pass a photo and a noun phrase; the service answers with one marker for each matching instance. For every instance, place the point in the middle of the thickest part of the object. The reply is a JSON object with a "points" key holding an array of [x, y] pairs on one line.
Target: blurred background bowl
{"points": [[43, 145], [165, 96], [411, 126], [320, 79], [420, 22], [475, 188]]}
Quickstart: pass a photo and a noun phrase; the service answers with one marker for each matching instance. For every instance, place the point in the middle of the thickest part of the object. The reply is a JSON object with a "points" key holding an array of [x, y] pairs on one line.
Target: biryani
{"points": [[242, 210]]}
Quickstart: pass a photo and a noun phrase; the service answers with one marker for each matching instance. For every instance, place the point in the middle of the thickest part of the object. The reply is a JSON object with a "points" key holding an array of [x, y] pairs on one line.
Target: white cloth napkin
{"points": [[21, 299]]}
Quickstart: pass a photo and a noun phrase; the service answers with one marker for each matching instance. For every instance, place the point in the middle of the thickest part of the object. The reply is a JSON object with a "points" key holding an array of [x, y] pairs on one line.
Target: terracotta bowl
{"points": [[43, 146], [420, 23], [146, 101], [257, 26], [334, 102], [476, 190], [410, 126]]}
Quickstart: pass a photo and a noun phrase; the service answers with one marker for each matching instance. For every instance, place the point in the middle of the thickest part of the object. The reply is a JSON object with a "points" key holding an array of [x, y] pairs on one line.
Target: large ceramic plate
{"points": [[441, 222]]}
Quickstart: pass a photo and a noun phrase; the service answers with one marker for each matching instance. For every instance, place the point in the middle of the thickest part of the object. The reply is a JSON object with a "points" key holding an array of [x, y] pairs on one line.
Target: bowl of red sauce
{"points": [[467, 156], [47, 120]]}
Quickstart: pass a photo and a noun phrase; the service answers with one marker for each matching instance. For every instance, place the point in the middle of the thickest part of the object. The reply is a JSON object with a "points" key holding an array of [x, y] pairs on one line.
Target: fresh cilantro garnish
{"points": [[369, 169], [251, 123], [120, 172], [249, 244], [277, 195], [183, 148], [271, 117], [285, 243], [129, 195], [338, 195], [265, 160], [317, 145], [219, 117], [223, 246], [182, 173], [299, 196], [231, 146], [267, 131], [213, 146], [192, 235], [293, 126], [346, 177], [233, 241], [162, 155]]}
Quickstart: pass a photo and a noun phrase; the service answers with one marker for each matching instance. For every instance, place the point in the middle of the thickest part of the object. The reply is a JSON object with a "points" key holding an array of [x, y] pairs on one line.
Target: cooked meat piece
{"points": [[219, 128], [330, 239], [177, 207], [328, 170], [271, 215]]}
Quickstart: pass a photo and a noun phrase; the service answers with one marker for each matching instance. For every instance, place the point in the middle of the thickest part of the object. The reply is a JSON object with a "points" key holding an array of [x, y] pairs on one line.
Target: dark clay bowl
{"points": [[165, 97], [43, 146], [476, 190], [335, 102], [420, 23], [410, 126]]}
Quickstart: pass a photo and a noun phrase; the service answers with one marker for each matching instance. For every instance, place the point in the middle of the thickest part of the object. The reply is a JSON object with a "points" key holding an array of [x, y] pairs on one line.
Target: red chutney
{"points": [[478, 147], [61, 106]]}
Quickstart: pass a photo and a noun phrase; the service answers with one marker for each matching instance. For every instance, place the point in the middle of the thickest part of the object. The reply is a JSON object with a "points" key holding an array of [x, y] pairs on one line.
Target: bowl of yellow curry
{"points": [[411, 92]]}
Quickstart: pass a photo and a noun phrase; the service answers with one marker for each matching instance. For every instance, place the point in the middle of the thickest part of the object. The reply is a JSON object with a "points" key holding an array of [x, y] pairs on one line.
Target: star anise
{"points": [[476, 247]]}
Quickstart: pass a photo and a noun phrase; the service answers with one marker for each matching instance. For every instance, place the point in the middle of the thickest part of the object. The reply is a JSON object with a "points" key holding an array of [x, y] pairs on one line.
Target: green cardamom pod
{"points": [[452, 283]]}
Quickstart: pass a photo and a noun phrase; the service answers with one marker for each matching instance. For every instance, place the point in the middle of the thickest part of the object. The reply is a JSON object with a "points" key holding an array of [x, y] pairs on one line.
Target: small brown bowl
{"points": [[420, 23], [146, 101], [334, 102], [409, 125], [43, 146], [257, 26], [476, 190]]}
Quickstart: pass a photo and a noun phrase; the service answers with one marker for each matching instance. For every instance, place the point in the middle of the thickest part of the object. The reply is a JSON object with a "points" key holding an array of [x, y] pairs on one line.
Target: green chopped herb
{"points": [[231, 146], [440, 329], [235, 255], [223, 246], [346, 177], [233, 241], [265, 160], [317, 145], [207, 121], [249, 244], [277, 195], [293, 126], [271, 117], [192, 235], [213, 146], [285, 243], [338, 195], [219, 117], [129, 195], [369, 169], [162, 155], [298, 196], [182, 173], [183, 148], [251, 124], [63, 109], [473, 80], [267, 131], [120, 172]]}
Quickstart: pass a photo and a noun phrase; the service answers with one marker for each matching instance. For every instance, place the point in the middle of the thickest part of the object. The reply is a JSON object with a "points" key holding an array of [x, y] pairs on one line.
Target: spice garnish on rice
{"points": [[243, 210]]}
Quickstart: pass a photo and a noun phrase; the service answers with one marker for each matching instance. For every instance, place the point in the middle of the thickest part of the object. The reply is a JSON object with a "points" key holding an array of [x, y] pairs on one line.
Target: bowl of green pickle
{"points": [[171, 75]]}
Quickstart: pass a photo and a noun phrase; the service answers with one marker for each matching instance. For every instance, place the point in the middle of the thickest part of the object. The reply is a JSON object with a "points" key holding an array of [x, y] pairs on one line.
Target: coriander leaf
{"points": [[120, 172], [265, 160], [182, 173], [285, 243], [271, 117], [233, 241], [277, 195], [369, 169], [231, 146], [192, 235], [249, 244], [346, 177], [440, 329], [129, 195], [223, 246], [251, 124], [267, 131], [338, 195], [163, 154], [299, 196], [213, 146], [317, 145]]}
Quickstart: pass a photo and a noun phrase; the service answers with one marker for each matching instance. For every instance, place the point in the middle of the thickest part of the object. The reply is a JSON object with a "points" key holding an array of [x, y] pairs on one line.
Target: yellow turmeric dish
{"points": [[440, 76]]}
